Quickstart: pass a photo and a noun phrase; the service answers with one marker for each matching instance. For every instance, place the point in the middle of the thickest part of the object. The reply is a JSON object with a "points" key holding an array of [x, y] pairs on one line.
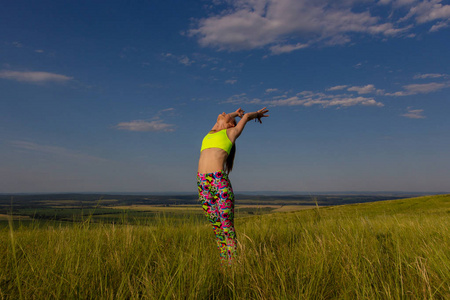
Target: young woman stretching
{"points": [[214, 187]]}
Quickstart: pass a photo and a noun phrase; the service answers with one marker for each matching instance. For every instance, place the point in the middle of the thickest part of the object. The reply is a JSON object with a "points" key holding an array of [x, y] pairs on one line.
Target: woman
{"points": [[214, 187]]}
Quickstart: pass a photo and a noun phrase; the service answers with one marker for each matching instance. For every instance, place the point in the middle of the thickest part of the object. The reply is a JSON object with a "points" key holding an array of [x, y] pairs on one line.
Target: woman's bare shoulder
{"points": [[232, 134]]}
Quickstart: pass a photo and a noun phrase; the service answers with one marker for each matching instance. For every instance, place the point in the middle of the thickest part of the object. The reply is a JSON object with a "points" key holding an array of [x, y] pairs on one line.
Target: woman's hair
{"points": [[230, 159]]}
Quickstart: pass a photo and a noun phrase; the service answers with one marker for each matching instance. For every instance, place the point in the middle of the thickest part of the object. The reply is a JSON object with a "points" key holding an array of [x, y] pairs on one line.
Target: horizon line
{"points": [[239, 192]]}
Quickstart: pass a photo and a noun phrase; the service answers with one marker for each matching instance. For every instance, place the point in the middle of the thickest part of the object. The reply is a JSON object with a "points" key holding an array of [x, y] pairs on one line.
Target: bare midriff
{"points": [[212, 160]]}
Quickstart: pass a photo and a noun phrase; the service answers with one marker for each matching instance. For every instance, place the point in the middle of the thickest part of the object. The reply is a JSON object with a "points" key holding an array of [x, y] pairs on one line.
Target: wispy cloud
{"points": [[33, 77], [156, 123], [340, 96], [414, 113], [426, 76], [279, 49], [231, 81], [361, 90], [185, 60], [17, 44], [308, 99], [54, 150], [424, 88], [143, 125], [337, 88], [288, 25], [429, 11], [182, 59], [167, 110], [242, 99], [439, 26], [367, 89]]}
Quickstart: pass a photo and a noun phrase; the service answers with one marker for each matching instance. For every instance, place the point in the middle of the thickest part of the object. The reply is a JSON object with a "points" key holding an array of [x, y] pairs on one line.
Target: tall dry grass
{"points": [[383, 250]]}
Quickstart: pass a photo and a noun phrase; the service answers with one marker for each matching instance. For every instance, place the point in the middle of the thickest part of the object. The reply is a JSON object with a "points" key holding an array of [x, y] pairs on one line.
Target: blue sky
{"points": [[116, 96]]}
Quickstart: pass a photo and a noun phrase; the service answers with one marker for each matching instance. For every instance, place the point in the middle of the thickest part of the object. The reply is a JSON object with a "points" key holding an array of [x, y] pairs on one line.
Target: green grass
{"points": [[130, 214], [384, 250]]}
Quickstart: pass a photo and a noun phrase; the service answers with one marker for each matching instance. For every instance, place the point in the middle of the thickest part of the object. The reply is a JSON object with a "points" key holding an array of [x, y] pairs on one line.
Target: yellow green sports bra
{"points": [[217, 140]]}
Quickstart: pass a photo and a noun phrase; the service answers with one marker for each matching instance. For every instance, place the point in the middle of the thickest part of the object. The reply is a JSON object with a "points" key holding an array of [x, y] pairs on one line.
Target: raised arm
{"points": [[238, 113], [236, 131]]}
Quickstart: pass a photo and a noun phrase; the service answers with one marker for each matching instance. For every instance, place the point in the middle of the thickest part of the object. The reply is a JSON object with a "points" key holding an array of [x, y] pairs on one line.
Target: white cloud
{"points": [[337, 88], [336, 40], [425, 88], [388, 29], [370, 88], [425, 76], [231, 81], [367, 89], [324, 100], [279, 49], [242, 99], [34, 77], [414, 113], [182, 59], [142, 125], [439, 26], [310, 98], [167, 111], [236, 99], [427, 11], [307, 99], [351, 101], [288, 25], [185, 60]]}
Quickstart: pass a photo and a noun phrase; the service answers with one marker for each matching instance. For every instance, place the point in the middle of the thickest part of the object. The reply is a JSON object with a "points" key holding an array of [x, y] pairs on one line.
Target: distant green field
{"points": [[396, 249], [106, 212]]}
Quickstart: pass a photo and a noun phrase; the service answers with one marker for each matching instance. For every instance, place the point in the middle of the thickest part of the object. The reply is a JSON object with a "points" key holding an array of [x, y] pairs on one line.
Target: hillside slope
{"points": [[383, 250]]}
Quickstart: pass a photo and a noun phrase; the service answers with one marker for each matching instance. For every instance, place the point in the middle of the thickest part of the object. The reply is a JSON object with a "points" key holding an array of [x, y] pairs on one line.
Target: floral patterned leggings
{"points": [[217, 198]]}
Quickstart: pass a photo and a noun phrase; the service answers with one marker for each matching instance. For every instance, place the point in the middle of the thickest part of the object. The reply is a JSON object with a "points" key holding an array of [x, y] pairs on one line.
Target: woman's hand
{"points": [[261, 114], [236, 131], [257, 115], [239, 112]]}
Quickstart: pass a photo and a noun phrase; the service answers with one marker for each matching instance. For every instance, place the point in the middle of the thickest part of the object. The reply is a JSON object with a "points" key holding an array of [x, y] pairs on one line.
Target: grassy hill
{"points": [[382, 250]]}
